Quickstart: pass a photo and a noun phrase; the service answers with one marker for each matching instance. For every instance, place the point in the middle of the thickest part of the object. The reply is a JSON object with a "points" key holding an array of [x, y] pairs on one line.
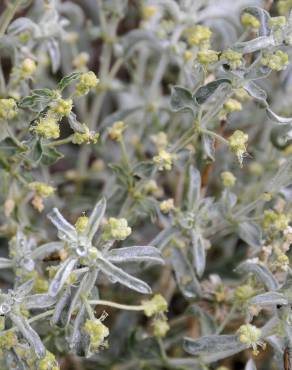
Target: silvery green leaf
{"points": [[163, 238], [182, 99], [250, 365], [24, 288], [135, 254], [194, 188], [39, 301], [186, 279], [116, 274], [256, 92], [46, 250], [65, 229], [263, 16], [171, 7], [199, 252], [75, 124], [275, 118], [133, 38], [20, 25], [67, 80], [29, 334], [76, 335], [204, 92], [85, 287], [207, 322], [250, 233], [61, 276], [209, 146], [269, 298], [214, 347], [63, 301], [5, 263], [261, 272], [95, 218], [256, 44], [54, 53], [119, 116]]}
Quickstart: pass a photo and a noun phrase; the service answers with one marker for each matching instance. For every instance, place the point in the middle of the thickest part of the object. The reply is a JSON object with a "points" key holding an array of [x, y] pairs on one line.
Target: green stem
{"points": [[60, 142], [120, 306], [8, 15], [228, 317]]}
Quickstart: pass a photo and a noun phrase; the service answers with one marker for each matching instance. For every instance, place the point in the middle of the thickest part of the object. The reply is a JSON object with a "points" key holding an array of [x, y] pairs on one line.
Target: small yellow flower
{"points": [[207, 56], [8, 109], [117, 229], [148, 11], [155, 305], [244, 292], [86, 137], [27, 68], [282, 262], [48, 127], [49, 362], [61, 107], [276, 221], [277, 61], [81, 224], [166, 206], [81, 60], [237, 143], [163, 160], [232, 105], [228, 179], [198, 34], [251, 336], [188, 55], [87, 81], [248, 20], [115, 132], [42, 189], [277, 22], [233, 57], [160, 328], [97, 332], [160, 140]]}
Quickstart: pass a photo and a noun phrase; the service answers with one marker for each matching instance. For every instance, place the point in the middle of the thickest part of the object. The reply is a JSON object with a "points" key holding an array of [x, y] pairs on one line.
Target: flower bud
{"points": [[155, 305], [81, 224], [160, 328], [87, 81], [8, 109], [115, 132], [117, 229], [228, 179], [207, 56], [48, 127], [163, 160], [167, 205], [248, 20]]}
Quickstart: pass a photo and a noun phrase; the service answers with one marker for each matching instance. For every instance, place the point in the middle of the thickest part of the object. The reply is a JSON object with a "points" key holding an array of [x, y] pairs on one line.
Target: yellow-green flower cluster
{"points": [[116, 131], [81, 60], [97, 333], [277, 22], [7, 341], [207, 56], [160, 327], [166, 205], [160, 140], [86, 137], [42, 189], [48, 362], [148, 11], [232, 105], [48, 127], [198, 35], [277, 61], [87, 81], [251, 336], [234, 58], [244, 292], [27, 68], [117, 229], [81, 224], [284, 6], [156, 305], [248, 20], [61, 107], [237, 143], [8, 109], [275, 221], [163, 160], [228, 179], [282, 262]]}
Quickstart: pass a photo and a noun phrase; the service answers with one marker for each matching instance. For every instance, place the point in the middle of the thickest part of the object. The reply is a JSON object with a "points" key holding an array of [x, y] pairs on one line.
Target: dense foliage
{"points": [[146, 184]]}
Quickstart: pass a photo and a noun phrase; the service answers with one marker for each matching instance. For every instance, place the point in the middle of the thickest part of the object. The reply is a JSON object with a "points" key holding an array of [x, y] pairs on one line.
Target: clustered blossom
{"points": [[234, 58], [228, 179], [87, 81], [8, 109], [116, 229], [115, 132], [237, 142], [97, 333], [251, 336], [163, 160], [277, 61], [248, 20]]}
